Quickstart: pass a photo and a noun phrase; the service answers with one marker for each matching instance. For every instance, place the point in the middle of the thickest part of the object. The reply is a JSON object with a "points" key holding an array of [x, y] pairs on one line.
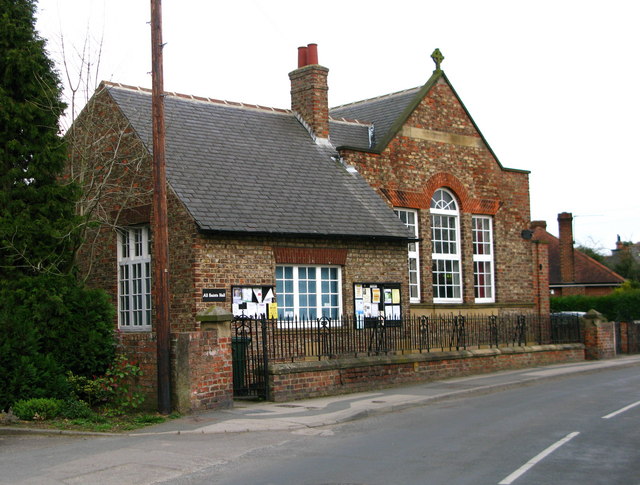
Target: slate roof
{"points": [[382, 112], [250, 169], [588, 271]]}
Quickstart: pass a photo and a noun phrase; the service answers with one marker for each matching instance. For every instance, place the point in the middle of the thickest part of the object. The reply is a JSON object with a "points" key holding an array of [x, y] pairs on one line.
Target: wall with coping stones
{"points": [[303, 380]]}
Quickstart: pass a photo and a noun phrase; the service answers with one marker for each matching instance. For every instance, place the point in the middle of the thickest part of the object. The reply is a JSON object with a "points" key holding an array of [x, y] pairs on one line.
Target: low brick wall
{"points": [[300, 380]]}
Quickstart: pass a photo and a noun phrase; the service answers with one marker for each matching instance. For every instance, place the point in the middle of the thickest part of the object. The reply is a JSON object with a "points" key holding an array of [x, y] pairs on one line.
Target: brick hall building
{"points": [[380, 207]]}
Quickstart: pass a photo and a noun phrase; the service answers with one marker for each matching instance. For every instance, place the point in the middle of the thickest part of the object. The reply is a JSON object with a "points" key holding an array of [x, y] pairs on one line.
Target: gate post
{"points": [[599, 336], [202, 363]]}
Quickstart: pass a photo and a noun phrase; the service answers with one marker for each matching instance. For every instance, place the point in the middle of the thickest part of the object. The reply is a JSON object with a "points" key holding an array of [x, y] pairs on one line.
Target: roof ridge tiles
{"points": [[349, 121], [204, 99], [376, 98]]}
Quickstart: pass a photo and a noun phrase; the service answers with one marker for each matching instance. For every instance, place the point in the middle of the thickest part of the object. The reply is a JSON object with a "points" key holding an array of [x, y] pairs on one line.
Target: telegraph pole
{"points": [[159, 227]]}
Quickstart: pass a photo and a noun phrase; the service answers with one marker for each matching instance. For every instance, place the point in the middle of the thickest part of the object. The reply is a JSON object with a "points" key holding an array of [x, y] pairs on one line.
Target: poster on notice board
{"points": [[253, 301], [374, 300]]}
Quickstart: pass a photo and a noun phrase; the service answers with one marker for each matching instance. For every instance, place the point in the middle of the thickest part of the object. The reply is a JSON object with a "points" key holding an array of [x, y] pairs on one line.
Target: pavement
{"points": [[307, 414], [248, 416]]}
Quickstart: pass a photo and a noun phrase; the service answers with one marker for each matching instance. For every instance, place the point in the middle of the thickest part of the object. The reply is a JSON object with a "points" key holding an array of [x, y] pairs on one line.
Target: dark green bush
{"points": [[75, 409], [25, 372], [50, 325], [619, 305], [37, 408]]}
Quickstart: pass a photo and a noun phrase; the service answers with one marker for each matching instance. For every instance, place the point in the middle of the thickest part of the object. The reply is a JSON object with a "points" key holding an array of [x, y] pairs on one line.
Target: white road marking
{"points": [[524, 468], [620, 411]]}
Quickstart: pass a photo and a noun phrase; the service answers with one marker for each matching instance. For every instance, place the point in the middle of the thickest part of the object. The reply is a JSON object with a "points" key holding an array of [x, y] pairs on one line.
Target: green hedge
{"points": [[619, 305], [50, 325]]}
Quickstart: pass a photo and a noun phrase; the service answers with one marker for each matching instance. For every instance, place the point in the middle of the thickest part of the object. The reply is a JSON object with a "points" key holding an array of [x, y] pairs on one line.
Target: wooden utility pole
{"points": [[159, 228]]}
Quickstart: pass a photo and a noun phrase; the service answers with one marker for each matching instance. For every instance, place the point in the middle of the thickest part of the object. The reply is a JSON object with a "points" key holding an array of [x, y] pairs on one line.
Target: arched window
{"points": [[445, 248]]}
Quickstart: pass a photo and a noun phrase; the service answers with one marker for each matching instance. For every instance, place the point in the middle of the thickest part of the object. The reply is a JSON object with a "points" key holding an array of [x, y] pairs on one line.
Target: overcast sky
{"points": [[554, 86]]}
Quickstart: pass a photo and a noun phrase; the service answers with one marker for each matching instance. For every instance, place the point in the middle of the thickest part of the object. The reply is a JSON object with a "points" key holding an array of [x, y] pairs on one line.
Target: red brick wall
{"points": [[411, 168], [340, 376], [141, 349]]}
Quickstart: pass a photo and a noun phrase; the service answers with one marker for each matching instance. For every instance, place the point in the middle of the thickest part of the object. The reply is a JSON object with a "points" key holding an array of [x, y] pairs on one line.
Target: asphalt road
{"points": [[577, 429], [491, 439]]}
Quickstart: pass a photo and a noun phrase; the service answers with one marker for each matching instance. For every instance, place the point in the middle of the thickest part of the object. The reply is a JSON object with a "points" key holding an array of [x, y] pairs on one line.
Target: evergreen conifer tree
{"points": [[49, 322], [37, 221]]}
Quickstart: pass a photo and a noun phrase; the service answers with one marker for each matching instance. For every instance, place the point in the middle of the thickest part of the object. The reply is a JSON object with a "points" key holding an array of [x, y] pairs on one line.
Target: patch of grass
{"points": [[98, 423]]}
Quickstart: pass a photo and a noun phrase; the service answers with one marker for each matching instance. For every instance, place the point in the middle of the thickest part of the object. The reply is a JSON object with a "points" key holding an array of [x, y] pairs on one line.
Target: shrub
{"points": [[37, 408], [619, 305], [121, 385], [91, 391], [25, 372], [75, 409], [50, 324]]}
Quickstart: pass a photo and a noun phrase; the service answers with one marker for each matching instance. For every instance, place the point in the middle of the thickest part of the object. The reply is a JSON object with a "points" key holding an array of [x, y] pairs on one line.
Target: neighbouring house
{"points": [[381, 207], [572, 272], [625, 258]]}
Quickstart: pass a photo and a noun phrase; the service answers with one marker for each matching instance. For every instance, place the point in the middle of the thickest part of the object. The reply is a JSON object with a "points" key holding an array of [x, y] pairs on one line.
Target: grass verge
{"points": [[96, 423]]}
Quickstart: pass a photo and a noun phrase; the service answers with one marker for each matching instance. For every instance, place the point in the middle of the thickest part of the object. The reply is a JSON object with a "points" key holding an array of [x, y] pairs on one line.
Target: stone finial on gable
{"points": [[437, 58]]}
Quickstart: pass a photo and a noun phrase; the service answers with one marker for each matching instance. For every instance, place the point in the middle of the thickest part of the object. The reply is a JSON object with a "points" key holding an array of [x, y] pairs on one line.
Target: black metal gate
{"points": [[627, 337], [633, 338], [250, 358]]}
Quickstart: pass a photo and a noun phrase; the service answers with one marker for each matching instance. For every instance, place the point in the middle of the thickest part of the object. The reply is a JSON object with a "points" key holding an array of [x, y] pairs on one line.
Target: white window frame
{"points": [[292, 288], [410, 219], [446, 256], [482, 235], [134, 279]]}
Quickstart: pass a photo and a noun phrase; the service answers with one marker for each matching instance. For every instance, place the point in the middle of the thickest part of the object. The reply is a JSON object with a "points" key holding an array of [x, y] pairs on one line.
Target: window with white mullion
{"points": [[410, 218], [134, 278], [445, 247], [483, 265], [308, 292]]}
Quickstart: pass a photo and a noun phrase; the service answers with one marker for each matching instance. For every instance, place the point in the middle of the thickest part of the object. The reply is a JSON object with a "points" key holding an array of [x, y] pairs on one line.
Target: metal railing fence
{"points": [[300, 339]]}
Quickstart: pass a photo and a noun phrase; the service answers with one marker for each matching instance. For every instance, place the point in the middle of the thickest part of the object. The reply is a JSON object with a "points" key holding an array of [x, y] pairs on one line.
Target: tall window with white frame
{"points": [[445, 244], [308, 292], [410, 218], [483, 274], [134, 278]]}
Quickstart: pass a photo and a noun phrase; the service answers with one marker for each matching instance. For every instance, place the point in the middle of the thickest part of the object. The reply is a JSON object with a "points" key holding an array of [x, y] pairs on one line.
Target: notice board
{"points": [[254, 301], [374, 300]]}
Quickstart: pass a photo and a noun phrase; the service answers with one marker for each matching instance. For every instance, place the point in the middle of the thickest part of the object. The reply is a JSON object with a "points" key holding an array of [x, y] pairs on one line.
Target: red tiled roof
{"points": [[588, 270]]}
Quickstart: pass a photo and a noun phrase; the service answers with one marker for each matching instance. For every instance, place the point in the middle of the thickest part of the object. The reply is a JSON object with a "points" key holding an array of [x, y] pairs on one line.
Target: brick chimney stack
{"points": [[535, 224], [309, 92], [565, 227]]}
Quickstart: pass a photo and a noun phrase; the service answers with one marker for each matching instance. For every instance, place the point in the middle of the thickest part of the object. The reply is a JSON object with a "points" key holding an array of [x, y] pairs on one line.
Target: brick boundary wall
{"points": [[301, 380]]}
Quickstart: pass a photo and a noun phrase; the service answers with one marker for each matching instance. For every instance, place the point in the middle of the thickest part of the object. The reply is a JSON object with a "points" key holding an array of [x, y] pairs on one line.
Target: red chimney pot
{"points": [[302, 57], [312, 54]]}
